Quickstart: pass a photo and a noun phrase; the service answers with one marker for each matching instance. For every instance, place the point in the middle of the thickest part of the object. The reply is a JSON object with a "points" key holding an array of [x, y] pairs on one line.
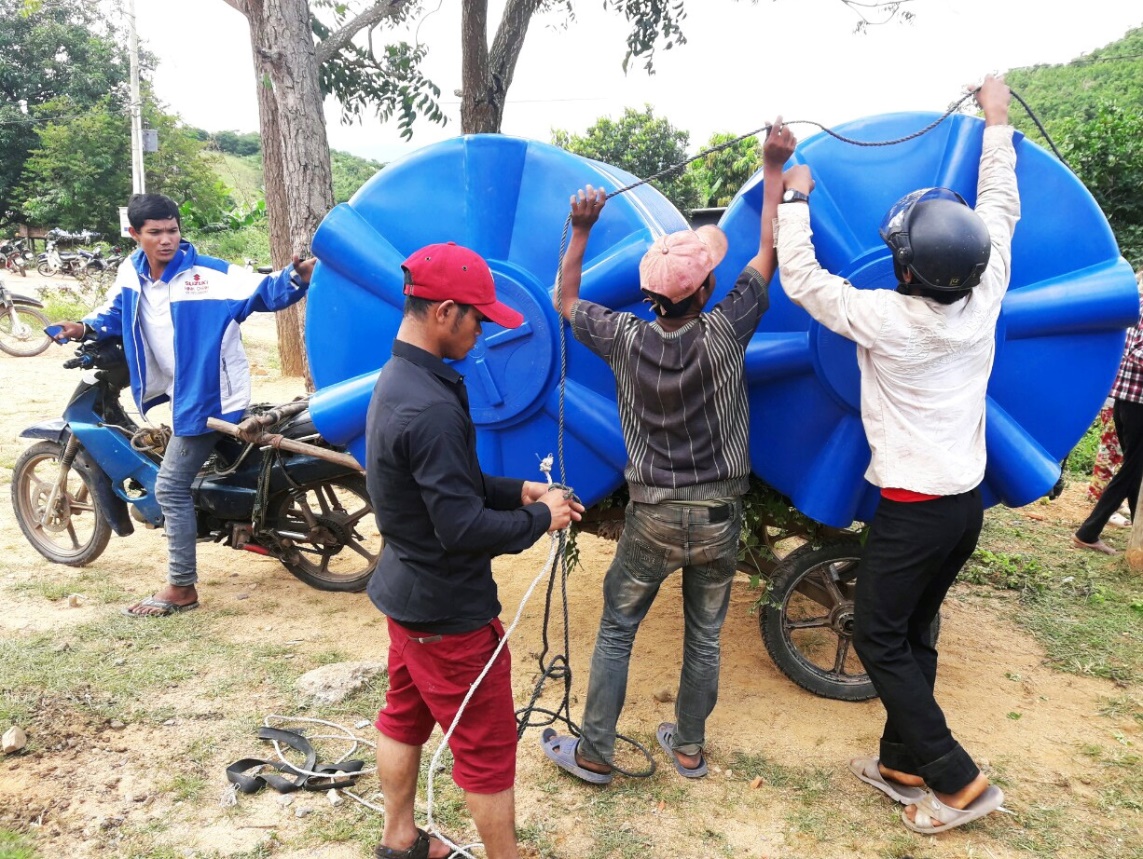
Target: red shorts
{"points": [[427, 682]]}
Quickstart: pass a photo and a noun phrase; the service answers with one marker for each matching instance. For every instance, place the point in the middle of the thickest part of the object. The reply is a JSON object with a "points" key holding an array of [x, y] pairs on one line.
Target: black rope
{"points": [[667, 171]]}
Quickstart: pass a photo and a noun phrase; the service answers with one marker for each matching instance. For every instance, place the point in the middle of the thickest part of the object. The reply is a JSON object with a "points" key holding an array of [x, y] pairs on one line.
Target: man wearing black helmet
{"points": [[925, 353]]}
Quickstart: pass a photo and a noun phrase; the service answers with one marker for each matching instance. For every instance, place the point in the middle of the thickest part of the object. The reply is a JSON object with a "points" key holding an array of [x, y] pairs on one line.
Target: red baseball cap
{"points": [[448, 271]]}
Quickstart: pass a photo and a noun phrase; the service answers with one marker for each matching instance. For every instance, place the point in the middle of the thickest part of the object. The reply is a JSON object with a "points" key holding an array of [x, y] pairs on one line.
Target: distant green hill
{"points": [[242, 173], [1113, 73], [1092, 108]]}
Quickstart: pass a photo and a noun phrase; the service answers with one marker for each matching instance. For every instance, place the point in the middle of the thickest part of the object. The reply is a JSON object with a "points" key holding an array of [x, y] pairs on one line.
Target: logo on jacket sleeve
{"points": [[196, 285]]}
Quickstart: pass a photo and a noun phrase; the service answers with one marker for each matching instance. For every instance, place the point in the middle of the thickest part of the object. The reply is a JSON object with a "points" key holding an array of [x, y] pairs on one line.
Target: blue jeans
{"points": [[184, 457], [657, 540]]}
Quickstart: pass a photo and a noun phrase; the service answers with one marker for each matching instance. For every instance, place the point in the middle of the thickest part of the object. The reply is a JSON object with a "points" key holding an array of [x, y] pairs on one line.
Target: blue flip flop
{"points": [[665, 733], [561, 751]]}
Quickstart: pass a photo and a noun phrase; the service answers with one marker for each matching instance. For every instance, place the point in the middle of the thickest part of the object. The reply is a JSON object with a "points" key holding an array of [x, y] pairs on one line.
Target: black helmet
{"points": [[934, 234]]}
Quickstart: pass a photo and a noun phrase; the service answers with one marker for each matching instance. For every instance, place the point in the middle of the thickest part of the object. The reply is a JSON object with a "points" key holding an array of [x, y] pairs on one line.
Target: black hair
{"points": [[419, 307], [151, 207], [663, 306]]}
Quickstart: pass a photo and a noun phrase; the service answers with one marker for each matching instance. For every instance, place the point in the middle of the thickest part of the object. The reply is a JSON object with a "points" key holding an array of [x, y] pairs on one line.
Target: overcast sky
{"points": [[742, 64]]}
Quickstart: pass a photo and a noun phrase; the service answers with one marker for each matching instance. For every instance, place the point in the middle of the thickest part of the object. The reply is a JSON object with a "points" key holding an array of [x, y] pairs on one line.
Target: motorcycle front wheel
{"points": [[46, 269], [807, 621], [22, 331], [71, 529], [15, 263], [328, 534]]}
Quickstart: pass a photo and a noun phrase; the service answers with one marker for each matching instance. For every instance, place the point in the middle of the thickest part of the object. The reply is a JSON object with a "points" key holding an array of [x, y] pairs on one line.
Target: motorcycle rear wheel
{"points": [[807, 621], [15, 263], [22, 331], [328, 533], [77, 532]]}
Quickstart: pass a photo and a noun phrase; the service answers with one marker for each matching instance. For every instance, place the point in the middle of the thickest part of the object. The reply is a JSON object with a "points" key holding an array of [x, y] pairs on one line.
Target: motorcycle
{"points": [[79, 264], [14, 261], [22, 324], [91, 472]]}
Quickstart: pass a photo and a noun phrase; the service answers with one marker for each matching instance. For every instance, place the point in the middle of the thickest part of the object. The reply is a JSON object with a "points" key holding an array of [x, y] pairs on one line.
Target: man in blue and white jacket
{"points": [[178, 314]]}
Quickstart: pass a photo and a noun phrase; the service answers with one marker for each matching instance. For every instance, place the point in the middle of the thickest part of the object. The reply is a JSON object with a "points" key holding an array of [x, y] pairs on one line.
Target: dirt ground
{"points": [[91, 786]]}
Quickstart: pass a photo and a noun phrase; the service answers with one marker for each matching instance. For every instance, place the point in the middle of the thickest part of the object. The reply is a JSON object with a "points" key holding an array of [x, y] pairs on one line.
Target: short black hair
{"points": [[419, 307], [151, 207]]}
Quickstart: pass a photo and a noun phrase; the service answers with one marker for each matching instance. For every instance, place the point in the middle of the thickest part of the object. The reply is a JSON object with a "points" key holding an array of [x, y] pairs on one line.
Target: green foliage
{"points": [[249, 242], [233, 143], [642, 144], [1106, 152], [80, 171], [350, 173], [56, 60], [719, 175], [1081, 460], [1091, 107], [386, 78]]}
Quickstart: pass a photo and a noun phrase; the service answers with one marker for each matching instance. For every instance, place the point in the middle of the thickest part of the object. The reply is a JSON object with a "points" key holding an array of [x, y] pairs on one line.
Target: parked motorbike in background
{"points": [[91, 472], [14, 260], [22, 324], [78, 263]]}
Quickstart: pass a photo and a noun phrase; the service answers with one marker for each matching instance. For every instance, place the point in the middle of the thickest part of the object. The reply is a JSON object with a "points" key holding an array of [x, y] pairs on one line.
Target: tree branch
{"points": [[509, 41], [337, 40], [240, 5]]}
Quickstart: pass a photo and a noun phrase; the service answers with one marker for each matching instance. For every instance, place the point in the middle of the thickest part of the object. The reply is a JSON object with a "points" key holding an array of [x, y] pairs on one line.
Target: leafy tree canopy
{"points": [[80, 171], [718, 175], [642, 144], [1092, 109], [54, 58]]}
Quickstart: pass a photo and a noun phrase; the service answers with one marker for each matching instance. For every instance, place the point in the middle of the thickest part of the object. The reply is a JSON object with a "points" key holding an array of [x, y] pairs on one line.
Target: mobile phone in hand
{"points": [[56, 333]]}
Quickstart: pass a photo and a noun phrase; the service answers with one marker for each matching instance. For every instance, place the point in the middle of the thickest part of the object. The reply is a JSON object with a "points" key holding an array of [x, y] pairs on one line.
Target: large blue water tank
{"points": [[1059, 339], [507, 199]]}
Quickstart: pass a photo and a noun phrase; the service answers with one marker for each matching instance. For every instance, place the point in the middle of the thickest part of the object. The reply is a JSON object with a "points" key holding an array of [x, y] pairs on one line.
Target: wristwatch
{"points": [[792, 195]]}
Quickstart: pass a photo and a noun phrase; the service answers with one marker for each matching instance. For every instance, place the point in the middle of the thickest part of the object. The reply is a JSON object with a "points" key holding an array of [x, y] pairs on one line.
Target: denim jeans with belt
{"points": [[182, 460], [657, 540]]}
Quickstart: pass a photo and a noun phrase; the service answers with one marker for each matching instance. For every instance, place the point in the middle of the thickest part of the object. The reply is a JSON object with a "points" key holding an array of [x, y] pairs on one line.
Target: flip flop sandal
{"points": [[867, 770], [664, 734], [933, 816], [561, 751], [166, 607], [418, 850]]}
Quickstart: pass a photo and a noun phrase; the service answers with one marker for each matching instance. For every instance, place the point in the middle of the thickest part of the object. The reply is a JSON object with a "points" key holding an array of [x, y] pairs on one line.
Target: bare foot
{"points": [[963, 798], [178, 595], [1097, 546], [907, 779], [591, 766], [691, 762]]}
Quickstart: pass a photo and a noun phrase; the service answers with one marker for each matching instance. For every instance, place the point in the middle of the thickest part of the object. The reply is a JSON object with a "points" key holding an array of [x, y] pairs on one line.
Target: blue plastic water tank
{"points": [[1059, 339], [507, 199]]}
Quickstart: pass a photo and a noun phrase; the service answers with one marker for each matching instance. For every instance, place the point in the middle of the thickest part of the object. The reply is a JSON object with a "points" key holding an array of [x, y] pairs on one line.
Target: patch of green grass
{"points": [[92, 586], [1079, 607], [1082, 458], [15, 846]]}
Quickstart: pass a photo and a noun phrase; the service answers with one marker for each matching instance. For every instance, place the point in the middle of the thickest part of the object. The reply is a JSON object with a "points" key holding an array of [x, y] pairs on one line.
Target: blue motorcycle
{"points": [[93, 471]]}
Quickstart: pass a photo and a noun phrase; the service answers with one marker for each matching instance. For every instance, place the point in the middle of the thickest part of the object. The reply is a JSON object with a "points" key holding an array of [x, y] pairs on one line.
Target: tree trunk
{"points": [[298, 176], [486, 75]]}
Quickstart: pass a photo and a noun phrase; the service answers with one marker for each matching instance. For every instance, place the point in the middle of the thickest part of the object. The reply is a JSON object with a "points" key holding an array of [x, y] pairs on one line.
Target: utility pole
{"points": [[138, 175]]}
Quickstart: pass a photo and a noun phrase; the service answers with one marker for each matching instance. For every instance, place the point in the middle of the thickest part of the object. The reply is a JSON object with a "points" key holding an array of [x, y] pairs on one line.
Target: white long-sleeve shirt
{"points": [[924, 365]]}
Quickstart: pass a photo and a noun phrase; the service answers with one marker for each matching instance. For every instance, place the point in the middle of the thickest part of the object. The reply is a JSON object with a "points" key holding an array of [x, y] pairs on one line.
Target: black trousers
{"points": [[912, 556], [1124, 483]]}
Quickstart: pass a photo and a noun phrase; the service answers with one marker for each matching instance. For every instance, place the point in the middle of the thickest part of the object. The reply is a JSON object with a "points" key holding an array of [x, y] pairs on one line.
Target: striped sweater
{"points": [[681, 394]]}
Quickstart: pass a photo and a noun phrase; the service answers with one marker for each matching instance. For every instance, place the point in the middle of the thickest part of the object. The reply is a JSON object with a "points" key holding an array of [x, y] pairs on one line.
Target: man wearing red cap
{"points": [[443, 520], [685, 420]]}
